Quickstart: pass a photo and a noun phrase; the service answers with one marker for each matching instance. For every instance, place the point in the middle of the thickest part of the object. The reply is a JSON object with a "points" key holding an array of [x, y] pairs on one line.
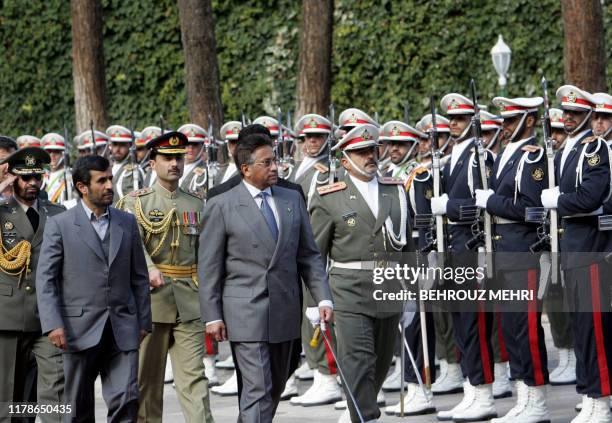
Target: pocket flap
{"points": [[6, 290], [237, 291], [72, 311]]}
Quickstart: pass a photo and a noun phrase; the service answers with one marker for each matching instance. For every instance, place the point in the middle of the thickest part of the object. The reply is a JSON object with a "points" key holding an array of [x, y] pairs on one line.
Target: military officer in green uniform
{"points": [[355, 223], [169, 219], [23, 348]]}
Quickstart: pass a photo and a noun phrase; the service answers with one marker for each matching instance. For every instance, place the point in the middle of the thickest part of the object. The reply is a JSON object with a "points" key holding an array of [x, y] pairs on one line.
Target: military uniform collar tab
{"points": [[164, 192]]}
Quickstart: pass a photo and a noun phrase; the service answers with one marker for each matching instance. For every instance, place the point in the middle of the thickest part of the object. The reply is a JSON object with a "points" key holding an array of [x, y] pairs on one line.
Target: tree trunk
{"points": [[314, 74], [583, 49], [201, 66], [88, 64]]}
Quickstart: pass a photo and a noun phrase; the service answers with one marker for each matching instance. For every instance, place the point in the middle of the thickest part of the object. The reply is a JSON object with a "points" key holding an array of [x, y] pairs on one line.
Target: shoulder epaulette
{"points": [[589, 139], [328, 189], [389, 180], [199, 171], [531, 148], [321, 168], [141, 192]]}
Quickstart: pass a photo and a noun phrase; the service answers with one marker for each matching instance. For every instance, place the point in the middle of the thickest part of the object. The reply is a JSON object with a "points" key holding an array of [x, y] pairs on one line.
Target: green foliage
{"points": [[384, 52]]}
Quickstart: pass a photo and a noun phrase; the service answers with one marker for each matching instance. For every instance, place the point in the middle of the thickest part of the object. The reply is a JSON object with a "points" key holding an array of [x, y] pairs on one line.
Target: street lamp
{"points": [[500, 53]]}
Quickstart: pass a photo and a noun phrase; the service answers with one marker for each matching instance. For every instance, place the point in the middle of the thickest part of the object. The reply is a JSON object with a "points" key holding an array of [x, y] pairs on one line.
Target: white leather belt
{"points": [[593, 213], [502, 221], [451, 222], [362, 265]]}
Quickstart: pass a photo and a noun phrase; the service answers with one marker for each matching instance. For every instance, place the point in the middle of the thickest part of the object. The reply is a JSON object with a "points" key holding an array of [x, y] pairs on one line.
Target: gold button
{"points": [[497, 237], [28, 288]]}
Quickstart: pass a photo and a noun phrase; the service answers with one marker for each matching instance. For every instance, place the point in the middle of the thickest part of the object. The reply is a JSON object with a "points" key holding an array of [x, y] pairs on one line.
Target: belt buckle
{"points": [[381, 264]]}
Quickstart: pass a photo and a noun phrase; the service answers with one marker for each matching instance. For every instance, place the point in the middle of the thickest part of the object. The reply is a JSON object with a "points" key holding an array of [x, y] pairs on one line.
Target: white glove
{"points": [[312, 314], [482, 197], [438, 204], [550, 197]]}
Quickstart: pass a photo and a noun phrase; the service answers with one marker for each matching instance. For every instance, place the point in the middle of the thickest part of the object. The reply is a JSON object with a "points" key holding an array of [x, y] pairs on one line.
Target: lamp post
{"points": [[500, 53]]}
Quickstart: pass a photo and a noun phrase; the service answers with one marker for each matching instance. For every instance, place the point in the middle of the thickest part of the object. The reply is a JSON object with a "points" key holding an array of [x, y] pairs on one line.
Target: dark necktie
{"points": [[33, 218], [268, 214]]}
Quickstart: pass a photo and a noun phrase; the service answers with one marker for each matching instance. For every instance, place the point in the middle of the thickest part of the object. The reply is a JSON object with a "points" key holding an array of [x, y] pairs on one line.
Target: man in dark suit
{"points": [[93, 295], [237, 178], [250, 289]]}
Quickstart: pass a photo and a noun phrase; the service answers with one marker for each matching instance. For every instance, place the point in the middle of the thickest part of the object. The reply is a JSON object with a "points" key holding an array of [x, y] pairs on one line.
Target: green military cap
{"points": [[169, 143], [27, 161]]}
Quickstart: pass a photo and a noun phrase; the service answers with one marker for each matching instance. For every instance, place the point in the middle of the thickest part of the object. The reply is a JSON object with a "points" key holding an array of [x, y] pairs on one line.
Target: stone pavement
{"points": [[561, 401]]}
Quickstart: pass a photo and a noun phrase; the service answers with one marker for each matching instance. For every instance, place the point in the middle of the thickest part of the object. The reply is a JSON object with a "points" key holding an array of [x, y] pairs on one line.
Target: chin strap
{"points": [[581, 125], [519, 128], [407, 155]]}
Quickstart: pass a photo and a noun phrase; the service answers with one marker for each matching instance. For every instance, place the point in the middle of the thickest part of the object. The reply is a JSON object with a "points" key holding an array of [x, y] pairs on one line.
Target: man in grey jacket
{"points": [[256, 243], [93, 295]]}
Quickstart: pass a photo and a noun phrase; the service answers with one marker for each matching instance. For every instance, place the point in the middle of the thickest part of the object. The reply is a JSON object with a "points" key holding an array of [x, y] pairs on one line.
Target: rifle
{"points": [[134, 162], [331, 141], [550, 164], [279, 144], [211, 164], [406, 106], [482, 170], [66, 162], [435, 166], [93, 149]]}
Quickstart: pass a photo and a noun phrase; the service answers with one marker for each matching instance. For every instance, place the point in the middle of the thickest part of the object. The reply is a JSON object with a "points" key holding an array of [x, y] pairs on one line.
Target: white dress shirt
{"points": [[458, 150], [254, 191], [369, 192], [508, 152], [570, 143]]}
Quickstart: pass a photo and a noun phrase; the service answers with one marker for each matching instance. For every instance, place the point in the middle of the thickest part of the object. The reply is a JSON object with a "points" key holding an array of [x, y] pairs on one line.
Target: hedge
{"points": [[385, 52]]}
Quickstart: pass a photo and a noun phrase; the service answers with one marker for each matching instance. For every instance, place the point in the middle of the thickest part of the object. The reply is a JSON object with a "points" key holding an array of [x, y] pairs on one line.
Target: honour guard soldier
{"points": [[491, 128], [402, 140], [312, 172], [558, 129], [229, 134], [195, 178], [169, 220], [24, 141], [141, 155], [273, 126], [449, 378], [313, 169], [472, 328], [195, 181], [57, 184], [24, 348], [519, 176], [84, 142], [147, 134], [361, 215], [560, 324], [124, 167], [602, 116], [583, 176]]}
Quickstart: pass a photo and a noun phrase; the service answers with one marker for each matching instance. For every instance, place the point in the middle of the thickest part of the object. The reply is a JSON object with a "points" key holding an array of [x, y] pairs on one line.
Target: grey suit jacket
{"points": [[249, 281], [79, 291]]}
